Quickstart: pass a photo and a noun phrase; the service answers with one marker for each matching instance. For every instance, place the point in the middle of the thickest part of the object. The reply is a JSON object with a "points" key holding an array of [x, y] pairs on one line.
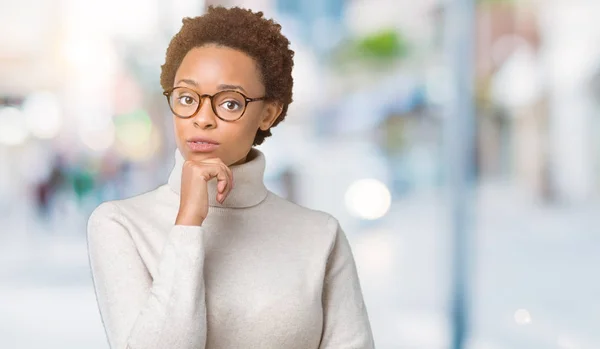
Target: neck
{"points": [[248, 174]]}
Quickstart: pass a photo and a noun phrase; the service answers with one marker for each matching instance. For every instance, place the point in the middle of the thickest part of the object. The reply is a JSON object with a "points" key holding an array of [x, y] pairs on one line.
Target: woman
{"points": [[212, 259]]}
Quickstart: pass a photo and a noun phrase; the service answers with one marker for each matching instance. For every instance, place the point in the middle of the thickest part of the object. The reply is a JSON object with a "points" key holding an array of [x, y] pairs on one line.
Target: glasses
{"points": [[227, 105]]}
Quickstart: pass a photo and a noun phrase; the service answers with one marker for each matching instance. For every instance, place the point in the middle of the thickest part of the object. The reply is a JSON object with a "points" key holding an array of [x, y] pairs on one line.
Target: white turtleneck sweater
{"points": [[261, 272]]}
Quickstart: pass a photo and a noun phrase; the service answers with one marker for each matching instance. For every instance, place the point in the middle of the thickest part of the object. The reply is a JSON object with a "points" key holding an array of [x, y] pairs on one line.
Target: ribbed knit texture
{"points": [[261, 272]]}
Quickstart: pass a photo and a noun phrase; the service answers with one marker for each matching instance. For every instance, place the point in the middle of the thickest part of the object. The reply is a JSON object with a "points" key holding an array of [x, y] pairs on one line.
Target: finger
{"points": [[214, 166], [231, 176], [222, 178], [230, 184], [224, 186], [210, 171], [222, 181], [218, 161]]}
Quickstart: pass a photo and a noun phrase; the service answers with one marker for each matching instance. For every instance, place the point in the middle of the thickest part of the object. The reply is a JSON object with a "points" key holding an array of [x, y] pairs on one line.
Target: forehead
{"points": [[213, 65]]}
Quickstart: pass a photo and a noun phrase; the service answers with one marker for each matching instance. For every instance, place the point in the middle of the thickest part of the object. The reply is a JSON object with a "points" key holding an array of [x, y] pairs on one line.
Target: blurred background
{"points": [[371, 138]]}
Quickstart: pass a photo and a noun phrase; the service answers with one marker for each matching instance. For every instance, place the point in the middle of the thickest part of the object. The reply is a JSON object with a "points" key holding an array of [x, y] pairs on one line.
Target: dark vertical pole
{"points": [[459, 137]]}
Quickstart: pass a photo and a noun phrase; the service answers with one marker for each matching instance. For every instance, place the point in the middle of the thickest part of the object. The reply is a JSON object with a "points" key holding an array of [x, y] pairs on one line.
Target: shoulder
{"points": [[308, 229], [147, 201], [294, 214], [107, 210], [121, 210]]}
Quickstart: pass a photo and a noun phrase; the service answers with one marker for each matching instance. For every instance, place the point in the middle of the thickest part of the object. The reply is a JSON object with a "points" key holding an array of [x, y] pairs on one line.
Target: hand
{"points": [[193, 206]]}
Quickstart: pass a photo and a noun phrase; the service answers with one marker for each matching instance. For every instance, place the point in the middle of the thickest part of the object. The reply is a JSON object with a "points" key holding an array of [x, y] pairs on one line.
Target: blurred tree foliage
{"points": [[375, 50]]}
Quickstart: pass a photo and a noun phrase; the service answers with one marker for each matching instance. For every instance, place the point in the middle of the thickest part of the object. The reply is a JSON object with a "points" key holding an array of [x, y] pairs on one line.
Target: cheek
{"points": [[179, 127], [246, 127], [244, 130]]}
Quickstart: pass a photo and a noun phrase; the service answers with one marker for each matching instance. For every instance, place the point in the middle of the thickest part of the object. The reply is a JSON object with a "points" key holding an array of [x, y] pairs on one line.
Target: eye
{"points": [[231, 105], [186, 100]]}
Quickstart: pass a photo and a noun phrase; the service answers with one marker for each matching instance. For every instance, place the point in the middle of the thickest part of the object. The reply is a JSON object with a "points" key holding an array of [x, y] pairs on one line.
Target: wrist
{"points": [[188, 219]]}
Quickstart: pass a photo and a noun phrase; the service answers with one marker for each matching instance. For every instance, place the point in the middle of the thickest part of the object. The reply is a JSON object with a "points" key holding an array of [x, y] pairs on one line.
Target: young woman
{"points": [[212, 259]]}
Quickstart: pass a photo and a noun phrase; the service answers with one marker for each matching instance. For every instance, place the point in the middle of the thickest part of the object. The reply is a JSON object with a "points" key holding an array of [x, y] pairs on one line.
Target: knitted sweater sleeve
{"points": [[345, 323], [137, 311]]}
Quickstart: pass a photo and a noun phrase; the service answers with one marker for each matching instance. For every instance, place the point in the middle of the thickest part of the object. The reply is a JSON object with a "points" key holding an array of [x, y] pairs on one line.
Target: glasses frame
{"points": [[247, 100]]}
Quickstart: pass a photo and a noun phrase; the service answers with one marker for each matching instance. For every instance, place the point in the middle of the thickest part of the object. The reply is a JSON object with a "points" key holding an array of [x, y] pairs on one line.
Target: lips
{"points": [[201, 140], [202, 145]]}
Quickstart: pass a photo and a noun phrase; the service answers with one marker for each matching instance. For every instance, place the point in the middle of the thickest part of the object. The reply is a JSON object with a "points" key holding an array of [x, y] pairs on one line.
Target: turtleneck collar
{"points": [[249, 189]]}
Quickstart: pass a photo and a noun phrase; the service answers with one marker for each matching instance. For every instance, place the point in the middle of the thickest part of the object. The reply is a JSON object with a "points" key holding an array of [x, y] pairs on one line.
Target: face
{"points": [[208, 70]]}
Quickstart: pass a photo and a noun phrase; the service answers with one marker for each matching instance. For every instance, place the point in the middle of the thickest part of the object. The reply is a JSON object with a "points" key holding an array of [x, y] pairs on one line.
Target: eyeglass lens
{"points": [[227, 105]]}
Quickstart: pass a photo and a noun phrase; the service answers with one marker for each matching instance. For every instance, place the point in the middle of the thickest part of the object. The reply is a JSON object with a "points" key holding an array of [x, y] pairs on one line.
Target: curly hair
{"points": [[244, 30]]}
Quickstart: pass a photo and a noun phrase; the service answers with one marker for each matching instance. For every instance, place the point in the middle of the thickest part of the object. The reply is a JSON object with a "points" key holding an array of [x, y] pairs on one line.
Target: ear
{"points": [[270, 114]]}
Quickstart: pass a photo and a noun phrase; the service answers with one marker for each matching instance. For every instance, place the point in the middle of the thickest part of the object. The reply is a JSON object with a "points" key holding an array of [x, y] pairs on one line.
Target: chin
{"points": [[198, 156]]}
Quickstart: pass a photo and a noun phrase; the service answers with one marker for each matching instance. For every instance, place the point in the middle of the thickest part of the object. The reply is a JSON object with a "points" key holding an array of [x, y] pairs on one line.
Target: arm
{"points": [[138, 312], [345, 323]]}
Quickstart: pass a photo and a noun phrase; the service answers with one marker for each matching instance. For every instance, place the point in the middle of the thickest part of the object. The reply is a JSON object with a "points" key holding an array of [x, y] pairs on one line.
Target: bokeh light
{"points": [[98, 138], [137, 139], [43, 115], [13, 130], [522, 317], [368, 199]]}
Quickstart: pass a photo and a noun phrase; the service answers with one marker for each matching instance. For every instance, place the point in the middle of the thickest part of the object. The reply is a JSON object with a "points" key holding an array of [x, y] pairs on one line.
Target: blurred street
{"points": [[384, 126]]}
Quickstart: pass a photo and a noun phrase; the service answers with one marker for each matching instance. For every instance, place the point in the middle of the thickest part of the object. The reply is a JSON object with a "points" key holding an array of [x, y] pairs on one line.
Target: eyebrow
{"points": [[231, 87], [220, 87], [188, 81]]}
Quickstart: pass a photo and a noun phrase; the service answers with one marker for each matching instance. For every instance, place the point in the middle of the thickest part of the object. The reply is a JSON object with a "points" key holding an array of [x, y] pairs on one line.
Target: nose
{"points": [[205, 117]]}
